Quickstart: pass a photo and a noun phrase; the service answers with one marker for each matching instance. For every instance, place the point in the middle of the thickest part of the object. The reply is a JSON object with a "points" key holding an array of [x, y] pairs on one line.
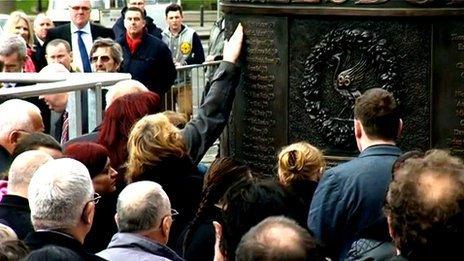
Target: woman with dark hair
{"points": [[118, 121], [96, 158], [199, 237]]}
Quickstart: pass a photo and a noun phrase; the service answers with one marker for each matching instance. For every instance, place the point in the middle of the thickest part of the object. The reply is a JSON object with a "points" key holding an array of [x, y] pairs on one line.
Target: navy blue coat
{"points": [[350, 198], [151, 63]]}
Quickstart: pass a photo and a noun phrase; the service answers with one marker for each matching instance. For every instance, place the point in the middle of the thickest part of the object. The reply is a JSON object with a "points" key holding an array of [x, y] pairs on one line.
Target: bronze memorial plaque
{"points": [[305, 62]]}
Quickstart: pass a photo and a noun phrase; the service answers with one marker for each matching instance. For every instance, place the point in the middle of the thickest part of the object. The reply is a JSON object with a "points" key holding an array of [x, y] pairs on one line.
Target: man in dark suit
{"points": [[14, 207], [42, 23], [80, 33], [349, 199]]}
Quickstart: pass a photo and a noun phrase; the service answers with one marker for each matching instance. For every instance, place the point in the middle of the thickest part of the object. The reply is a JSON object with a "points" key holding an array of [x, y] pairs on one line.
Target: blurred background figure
{"points": [[42, 23], [19, 23]]}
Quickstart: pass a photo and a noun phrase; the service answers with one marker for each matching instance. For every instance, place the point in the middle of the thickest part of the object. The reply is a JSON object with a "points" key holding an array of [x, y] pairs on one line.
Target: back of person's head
{"points": [[18, 116], [22, 169], [38, 141], [377, 111], [277, 239], [93, 155], [300, 161], [122, 88], [11, 250], [425, 207], [176, 118], [152, 139], [400, 161], [141, 207], [7, 233], [119, 119], [58, 193], [246, 204]]}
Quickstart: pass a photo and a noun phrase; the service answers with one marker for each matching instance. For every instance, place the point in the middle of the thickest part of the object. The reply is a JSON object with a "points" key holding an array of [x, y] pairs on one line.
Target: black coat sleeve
{"points": [[166, 68], [201, 132], [198, 54]]}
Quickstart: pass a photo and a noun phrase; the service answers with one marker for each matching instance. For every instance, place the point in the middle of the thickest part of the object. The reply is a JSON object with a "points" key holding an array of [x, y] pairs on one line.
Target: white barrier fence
{"points": [[45, 83]]}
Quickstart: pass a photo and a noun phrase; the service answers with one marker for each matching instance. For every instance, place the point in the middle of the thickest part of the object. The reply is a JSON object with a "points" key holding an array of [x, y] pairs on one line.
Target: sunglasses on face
{"points": [[103, 58], [84, 8]]}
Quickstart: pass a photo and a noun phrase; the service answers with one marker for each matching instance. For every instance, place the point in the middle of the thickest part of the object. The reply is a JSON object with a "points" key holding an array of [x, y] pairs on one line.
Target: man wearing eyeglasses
{"points": [[62, 202], [105, 55], [144, 218], [119, 29], [80, 33]]}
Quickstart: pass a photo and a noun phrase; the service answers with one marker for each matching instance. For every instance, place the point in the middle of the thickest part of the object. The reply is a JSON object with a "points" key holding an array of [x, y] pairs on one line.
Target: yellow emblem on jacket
{"points": [[185, 48]]}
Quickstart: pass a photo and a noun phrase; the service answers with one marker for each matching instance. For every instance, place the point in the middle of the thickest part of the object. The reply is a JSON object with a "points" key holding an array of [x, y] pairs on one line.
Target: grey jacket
{"points": [[128, 246]]}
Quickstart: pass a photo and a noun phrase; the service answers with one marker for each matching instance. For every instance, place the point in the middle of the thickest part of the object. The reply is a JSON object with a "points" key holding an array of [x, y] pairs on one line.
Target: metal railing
{"points": [[186, 94], [52, 83], [62, 83]]}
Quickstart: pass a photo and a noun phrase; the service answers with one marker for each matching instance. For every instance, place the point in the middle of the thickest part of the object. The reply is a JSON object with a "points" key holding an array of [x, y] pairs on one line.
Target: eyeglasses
{"points": [[96, 198], [103, 58], [174, 212], [83, 8]]}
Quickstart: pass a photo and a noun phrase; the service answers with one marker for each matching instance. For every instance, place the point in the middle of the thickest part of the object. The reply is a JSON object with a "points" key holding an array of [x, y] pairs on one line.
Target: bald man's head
{"points": [[123, 88], [18, 118], [23, 168]]}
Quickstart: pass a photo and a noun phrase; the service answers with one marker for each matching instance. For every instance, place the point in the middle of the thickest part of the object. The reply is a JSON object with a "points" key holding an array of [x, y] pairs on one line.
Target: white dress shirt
{"points": [[88, 41]]}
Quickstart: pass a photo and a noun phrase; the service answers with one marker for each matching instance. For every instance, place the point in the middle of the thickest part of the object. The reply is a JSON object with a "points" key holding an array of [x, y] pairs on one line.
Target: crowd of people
{"points": [[133, 187]]}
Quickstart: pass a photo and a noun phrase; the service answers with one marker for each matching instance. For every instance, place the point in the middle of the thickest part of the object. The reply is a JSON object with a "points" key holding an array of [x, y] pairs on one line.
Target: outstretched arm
{"points": [[201, 132]]}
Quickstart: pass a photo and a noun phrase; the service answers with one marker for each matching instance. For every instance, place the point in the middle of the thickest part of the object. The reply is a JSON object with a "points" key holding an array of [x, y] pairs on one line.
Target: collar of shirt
{"points": [[40, 41], [85, 29]]}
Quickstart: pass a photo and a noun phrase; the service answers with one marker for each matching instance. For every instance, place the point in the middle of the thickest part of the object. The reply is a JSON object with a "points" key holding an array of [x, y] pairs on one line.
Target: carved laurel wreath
{"points": [[379, 58]]}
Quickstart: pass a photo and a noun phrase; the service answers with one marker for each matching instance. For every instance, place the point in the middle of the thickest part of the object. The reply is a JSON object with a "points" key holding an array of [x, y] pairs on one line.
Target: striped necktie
{"points": [[65, 128]]}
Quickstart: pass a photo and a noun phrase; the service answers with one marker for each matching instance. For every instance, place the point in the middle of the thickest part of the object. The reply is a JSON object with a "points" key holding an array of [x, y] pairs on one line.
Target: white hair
{"points": [[16, 114], [39, 18], [54, 68], [13, 43], [122, 88], [23, 167], [58, 193], [141, 206]]}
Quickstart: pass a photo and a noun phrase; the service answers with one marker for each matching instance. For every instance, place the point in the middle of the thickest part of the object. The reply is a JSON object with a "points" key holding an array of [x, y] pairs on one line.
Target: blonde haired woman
{"points": [[157, 153], [160, 152], [18, 23], [300, 167]]}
